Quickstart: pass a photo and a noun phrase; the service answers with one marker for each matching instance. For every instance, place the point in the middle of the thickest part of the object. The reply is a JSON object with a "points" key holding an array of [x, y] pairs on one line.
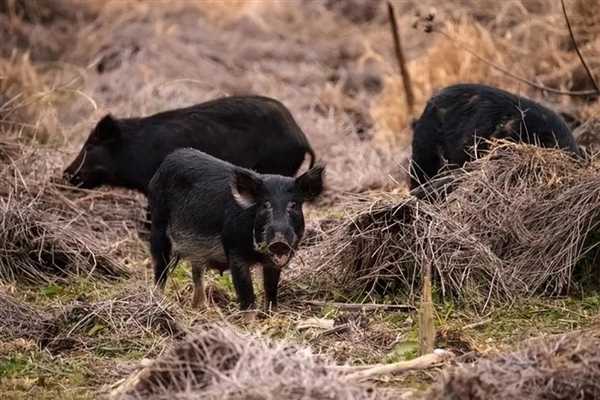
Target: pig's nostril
{"points": [[279, 248]]}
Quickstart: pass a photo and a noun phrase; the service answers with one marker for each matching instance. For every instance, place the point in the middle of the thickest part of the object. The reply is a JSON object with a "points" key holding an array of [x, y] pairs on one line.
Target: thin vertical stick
{"points": [[585, 66], [426, 326], [410, 97]]}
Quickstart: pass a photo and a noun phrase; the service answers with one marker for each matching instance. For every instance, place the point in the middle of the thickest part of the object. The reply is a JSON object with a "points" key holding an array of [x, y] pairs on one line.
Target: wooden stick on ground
{"points": [[423, 362], [359, 307]]}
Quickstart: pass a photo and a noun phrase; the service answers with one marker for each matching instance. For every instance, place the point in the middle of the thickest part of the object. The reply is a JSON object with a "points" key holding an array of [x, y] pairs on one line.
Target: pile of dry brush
{"points": [[559, 368], [517, 223], [50, 232], [220, 363]]}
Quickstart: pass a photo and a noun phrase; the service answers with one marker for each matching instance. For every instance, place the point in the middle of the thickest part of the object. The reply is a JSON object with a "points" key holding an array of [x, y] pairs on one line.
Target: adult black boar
{"points": [[219, 215], [249, 131], [456, 119]]}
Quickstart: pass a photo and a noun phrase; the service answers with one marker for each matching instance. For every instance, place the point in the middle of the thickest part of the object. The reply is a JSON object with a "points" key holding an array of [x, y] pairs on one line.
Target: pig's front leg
{"points": [[242, 281], [271, 274]]}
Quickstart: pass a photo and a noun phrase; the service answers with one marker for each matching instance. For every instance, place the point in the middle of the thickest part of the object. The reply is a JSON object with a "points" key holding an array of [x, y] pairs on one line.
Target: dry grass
{"points": [[332, 64], [133, 320], [51, 233], [38, 247], [42, 28], [586, 25], [439, 66], [142, 60], [26, 103], [136, 319], [588, 135], [217, 362], [19, 320], [560, 367], [506, 34], [489, 240]]}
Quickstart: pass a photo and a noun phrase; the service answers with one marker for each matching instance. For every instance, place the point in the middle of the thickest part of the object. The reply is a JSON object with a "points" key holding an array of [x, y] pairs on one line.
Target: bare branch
{"points": [[584, 93], [585, 66]]}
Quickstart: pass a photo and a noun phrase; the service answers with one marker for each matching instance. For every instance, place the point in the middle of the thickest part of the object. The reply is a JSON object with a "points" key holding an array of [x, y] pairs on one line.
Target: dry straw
{"points": [[220, 363], [558, 368], [47, 233], [126, 322], [506, 34], [135, 320], [19, 320], [517, 223]]}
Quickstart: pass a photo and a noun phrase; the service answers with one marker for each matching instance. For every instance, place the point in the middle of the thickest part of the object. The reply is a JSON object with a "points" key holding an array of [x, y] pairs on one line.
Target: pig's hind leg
{"points": [[161, 249], [199, 297]]}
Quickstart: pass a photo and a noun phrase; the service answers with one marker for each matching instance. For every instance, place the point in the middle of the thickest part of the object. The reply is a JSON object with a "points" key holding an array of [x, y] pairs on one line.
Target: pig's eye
{"points": [[267, 205], [292, 205]]}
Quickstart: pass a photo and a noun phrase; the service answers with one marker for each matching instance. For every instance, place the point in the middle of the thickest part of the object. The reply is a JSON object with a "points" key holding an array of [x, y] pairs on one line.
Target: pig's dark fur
{"points": [[249, 131], [219, 215], [458, 117]]}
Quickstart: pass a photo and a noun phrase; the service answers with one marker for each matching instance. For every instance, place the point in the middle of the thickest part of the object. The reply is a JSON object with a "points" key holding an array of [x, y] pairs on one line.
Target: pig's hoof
{"points": [[250, 316]]}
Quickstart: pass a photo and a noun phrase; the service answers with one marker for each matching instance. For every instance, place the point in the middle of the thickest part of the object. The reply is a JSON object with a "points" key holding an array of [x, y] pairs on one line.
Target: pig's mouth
{"points": [[72, 179], [280, 253]]}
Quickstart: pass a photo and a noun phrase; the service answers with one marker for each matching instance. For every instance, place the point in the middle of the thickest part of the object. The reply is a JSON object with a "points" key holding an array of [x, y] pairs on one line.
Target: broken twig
{"points": [[426, 361], [461, 45], [358, 306]]}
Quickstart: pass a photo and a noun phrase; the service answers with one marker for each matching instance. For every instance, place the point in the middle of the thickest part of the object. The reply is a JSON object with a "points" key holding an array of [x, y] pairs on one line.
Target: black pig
{"points": [[456, 119], [219, 215], [249, 131]]}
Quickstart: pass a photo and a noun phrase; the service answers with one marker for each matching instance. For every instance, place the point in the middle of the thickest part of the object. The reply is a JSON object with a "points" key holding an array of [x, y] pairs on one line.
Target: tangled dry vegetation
{"points": [[562, 367], [218, 362], [20, 320], [489, 239], [48, 233], [488, 242], [124, 323]]}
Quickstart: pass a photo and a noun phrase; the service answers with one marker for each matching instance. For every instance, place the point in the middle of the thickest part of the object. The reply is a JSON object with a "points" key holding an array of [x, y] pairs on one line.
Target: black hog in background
{"points": [[249, 131], [215, 214], [458, 117]]}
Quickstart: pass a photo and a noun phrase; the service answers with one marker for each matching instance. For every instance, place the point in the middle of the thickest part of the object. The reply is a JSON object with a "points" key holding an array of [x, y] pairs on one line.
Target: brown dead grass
{"points": [[560, 367], [26, 106], [136, 319], [50, 232], [19, 320], [218, 362], [507, 34], [337, 77], [488, 241], [133, 320], [442, 64]]}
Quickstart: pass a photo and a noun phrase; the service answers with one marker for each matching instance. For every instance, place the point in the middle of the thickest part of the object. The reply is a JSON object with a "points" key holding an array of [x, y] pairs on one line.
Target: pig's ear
{"points": [[310, 183], [244, 188], [107, 130]]}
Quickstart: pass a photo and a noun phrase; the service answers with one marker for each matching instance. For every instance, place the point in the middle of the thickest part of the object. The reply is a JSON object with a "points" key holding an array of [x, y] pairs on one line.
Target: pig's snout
{"points": [[279, 248], [280, 252]]}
